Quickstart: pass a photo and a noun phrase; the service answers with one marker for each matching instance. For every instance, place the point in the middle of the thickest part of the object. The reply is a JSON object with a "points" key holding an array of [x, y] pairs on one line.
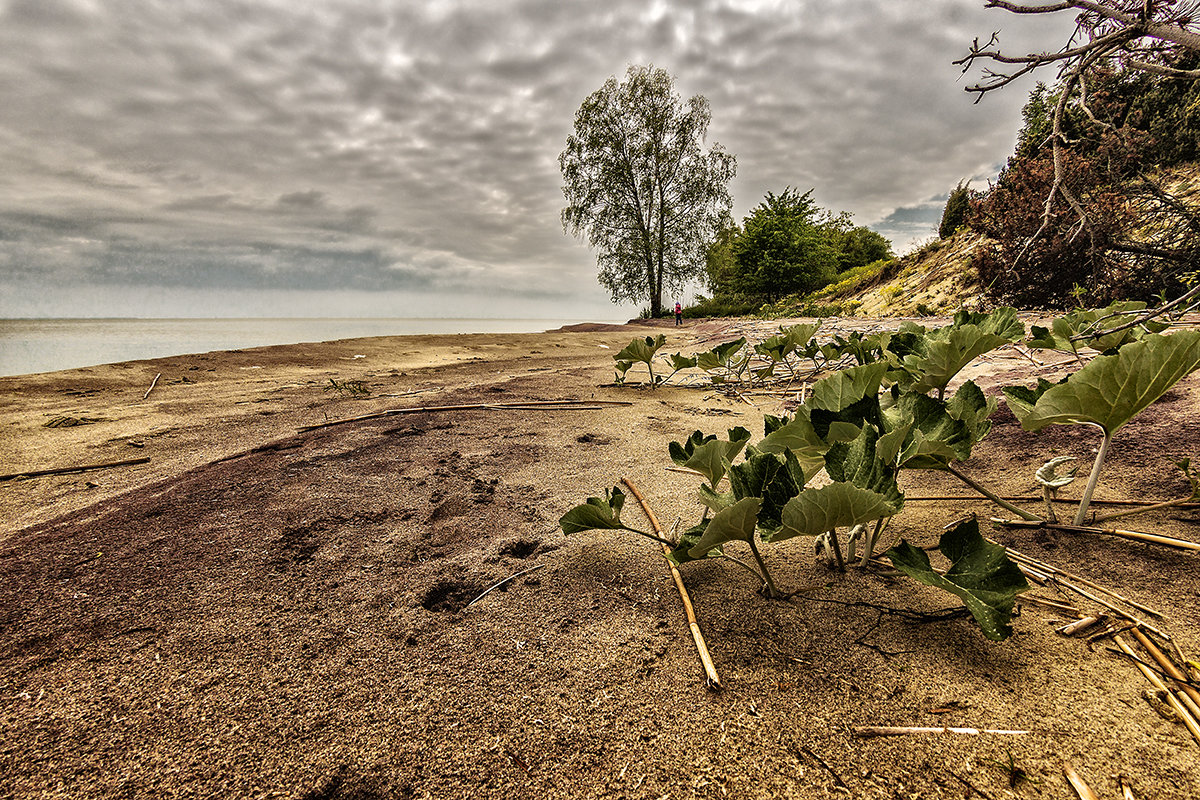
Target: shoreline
{"points": [[34, 346]]}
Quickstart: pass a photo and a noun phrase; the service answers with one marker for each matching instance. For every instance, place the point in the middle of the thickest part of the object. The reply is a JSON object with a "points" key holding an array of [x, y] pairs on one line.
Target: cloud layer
{"points": [[411, 148]]}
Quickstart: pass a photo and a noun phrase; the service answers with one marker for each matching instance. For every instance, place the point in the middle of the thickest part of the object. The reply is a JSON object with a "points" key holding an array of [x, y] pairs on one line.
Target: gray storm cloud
{"points": [[412, 146]]}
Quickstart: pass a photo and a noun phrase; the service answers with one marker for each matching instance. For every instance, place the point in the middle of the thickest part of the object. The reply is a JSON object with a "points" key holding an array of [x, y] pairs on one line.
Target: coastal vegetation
{"points": [[882, 409], [640, 187]]}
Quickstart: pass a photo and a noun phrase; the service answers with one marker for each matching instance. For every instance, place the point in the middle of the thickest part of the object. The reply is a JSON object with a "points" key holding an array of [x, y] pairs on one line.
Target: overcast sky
{"points": [[399, 157]]}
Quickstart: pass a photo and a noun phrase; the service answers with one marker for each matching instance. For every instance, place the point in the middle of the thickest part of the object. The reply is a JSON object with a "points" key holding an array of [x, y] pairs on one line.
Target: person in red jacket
{"points": [[678, 313]]}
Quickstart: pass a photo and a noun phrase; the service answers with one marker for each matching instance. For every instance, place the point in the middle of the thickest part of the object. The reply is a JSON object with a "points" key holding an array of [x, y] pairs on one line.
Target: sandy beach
{"points": [[254, 610]]}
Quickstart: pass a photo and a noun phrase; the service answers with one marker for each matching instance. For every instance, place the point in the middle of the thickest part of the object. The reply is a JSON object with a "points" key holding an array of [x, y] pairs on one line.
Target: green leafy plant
{"points": [[1108, 392], [887, 408], [980, 573], [639, 351]]}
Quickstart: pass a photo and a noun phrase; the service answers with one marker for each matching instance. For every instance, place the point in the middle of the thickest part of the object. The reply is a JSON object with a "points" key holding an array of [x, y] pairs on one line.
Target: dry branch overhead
{"points": [[1126, 36], [67, 470], [710, 669]]}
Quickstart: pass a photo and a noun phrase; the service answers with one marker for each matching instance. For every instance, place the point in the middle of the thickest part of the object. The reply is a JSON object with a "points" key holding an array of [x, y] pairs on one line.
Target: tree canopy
{"points": [[782, 248], [787, 245], [641, 188]]}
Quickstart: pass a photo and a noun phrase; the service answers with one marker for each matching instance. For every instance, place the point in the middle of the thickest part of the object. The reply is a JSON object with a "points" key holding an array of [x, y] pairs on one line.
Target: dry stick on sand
{"points": [[1192, 724], [710, 670], [153, 383], [498, 584], [1077, 783], [1027, 561], [1037, 499], [524, 405], [1137, 536], [66, 470], [888, 730], [1191, 696]]}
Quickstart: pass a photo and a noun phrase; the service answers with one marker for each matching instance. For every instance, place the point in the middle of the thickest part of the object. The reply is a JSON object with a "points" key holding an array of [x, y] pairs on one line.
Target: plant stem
{"points": [[1047, 495], [837, 549], [743, 564], [1023, 514], [658, 539], [772, 589], [869, 550], [1093, 479]]}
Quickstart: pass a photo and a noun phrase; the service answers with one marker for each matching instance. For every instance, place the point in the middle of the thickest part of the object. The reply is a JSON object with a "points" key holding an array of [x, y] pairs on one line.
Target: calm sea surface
{"points": [[45, 345]]}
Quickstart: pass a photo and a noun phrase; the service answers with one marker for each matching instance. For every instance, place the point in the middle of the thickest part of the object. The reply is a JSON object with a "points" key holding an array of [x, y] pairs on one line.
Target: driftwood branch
{"points": [[710, 669], [67, 470]]}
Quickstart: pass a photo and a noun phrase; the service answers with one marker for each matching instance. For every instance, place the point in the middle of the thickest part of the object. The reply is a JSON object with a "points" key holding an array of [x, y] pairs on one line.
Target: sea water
{"points": [[45, 345]]}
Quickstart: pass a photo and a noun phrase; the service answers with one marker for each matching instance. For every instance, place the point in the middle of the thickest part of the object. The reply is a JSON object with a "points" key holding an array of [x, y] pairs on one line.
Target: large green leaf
{"points": [[946, 356], [719, 356], [1085, 321], [766, 476], [798, 436], [713, 458], [680, 453], [680, 554], [843, 389], [857, 462], [1110, 390], [947, 350], [787, 341], [598, 513], [980, 573], [680, 361], [735, 523], [1021, 399], [642, 350], [816, 511], [942, 431]]}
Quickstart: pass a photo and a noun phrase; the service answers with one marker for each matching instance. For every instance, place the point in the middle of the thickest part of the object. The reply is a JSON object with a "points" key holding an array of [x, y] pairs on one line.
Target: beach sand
{"points": [[259, 611]]}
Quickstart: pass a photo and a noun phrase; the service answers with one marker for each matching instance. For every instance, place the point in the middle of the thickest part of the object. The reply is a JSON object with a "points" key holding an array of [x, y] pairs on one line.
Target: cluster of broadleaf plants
{"points": [[783, 355], [866, 424]]}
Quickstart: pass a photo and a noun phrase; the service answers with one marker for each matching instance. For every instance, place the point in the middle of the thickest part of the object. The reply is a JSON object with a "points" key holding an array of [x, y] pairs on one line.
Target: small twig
{"points": [[1189, 721], [710, 669], [1192, 695], [1051, 604], [972, 787], [1050, 569], [1137, 536], [153, 383], [65, 470], [498, 584], [889, 730], [1077, 783], [836, 778], [1072, 628]]}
